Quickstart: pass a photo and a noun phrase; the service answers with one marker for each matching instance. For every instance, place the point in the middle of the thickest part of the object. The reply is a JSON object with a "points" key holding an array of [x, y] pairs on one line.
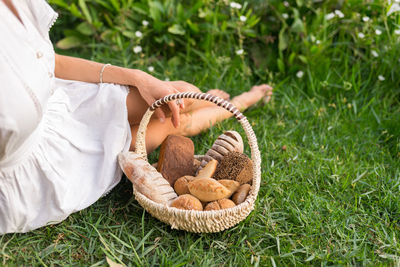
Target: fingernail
{"points": [[162, 120]]}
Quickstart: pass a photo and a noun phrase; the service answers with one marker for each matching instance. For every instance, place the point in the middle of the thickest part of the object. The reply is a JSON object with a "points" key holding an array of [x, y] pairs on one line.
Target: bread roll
{"points": [[208, 189], [241, 194], [187, 202], [231, 185], [181, 185], [208, 170], [220, 204]]}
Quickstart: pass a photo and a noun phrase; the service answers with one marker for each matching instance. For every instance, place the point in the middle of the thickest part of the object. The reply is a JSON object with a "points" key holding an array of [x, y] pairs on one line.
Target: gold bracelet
{"points": [[102, 70]]}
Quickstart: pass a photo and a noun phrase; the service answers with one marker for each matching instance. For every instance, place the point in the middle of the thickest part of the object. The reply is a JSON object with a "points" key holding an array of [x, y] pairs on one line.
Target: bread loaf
{"points": [[225, 143], [220, 204], [241, 194], [235, 166], [146, 179], [208, 189], [187, 202], [176, 158]]}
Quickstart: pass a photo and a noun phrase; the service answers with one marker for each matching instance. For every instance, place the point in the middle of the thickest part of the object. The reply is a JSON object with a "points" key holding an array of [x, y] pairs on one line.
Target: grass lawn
{"points": [[330, 191]]}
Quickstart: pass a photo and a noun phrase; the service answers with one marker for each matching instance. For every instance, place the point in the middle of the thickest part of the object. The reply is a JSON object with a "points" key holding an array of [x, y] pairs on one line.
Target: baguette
{"points": [[146, 179]]}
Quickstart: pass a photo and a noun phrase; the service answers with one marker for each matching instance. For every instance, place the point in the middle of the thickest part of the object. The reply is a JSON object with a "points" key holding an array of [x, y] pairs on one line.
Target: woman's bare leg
{"points": [[198, 120]]}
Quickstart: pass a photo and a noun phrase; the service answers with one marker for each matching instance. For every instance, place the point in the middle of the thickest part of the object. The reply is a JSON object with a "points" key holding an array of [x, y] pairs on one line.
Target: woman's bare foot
{"points": [[256, 93]]}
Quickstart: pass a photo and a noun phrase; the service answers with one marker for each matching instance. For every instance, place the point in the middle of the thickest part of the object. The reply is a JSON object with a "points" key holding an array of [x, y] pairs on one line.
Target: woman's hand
{"points": [[152, 89]]}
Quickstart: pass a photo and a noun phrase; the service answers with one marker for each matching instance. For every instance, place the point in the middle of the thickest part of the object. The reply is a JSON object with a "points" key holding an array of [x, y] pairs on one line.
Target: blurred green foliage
{"points": [[263, 39]]}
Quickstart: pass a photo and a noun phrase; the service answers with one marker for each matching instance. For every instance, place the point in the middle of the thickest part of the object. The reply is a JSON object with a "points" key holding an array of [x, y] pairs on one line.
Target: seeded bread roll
{"points": [[235, 166]]}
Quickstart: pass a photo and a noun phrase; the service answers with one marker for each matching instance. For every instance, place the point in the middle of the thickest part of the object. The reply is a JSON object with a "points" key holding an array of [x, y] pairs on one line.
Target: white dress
{"points": [[59, 139]]}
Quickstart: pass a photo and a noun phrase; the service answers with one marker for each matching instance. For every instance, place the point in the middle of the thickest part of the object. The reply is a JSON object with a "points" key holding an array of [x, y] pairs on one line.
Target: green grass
{"points": [[330, 146]]}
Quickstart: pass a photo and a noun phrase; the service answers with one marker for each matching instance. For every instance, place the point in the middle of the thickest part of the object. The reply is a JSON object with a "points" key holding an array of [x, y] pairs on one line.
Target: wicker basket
{"points": [[201, 221]]}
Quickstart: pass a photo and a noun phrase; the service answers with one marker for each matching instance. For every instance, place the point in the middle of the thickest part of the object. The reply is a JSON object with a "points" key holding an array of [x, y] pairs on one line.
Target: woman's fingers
{"points": [[174, 107], [175, 113], [179, 102]]}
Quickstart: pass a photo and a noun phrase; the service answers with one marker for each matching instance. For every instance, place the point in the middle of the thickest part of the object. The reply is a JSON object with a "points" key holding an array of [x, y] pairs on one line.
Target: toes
{"points": [[266, 99], [263, 88]]}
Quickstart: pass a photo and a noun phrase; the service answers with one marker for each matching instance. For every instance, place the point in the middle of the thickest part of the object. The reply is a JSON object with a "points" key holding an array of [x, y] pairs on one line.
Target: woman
{"points": [[64, 120]]}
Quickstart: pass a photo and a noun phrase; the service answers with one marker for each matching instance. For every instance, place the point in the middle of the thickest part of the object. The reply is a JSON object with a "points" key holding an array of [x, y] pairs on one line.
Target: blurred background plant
{"points": [[272, 38]]}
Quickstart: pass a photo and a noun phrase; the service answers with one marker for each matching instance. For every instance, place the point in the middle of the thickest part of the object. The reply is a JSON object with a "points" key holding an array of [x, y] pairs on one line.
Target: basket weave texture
{"points": [[201, 221]]}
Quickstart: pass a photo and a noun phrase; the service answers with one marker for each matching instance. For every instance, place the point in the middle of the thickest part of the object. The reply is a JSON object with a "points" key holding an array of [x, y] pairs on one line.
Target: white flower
{"points": [[339, 13], [243, 18], [138, 34], [365, 19], [329, 16], [145, 23], [239, 52], [235, 5], [286, 3], [361, 35], [150, 68], [166, 79], [285, 16], [318, 42], [299, 74], [397, 31], [137, 49], [393, 8], [378, 32], [374, 53], [312, 38], [381, 78]]}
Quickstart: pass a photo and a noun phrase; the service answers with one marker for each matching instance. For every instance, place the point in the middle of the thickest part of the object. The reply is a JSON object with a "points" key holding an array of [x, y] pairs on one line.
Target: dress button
{"points": [[50, 75], [39, 54]]}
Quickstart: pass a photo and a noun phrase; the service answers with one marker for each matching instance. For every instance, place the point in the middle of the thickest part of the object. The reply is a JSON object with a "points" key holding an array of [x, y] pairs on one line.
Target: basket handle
{"points": [[140, 145], [140, 137]]}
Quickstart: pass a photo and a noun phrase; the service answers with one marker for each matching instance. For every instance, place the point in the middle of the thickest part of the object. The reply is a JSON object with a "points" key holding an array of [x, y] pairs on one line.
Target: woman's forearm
{"points": [[72, 68], [149, 87]]}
